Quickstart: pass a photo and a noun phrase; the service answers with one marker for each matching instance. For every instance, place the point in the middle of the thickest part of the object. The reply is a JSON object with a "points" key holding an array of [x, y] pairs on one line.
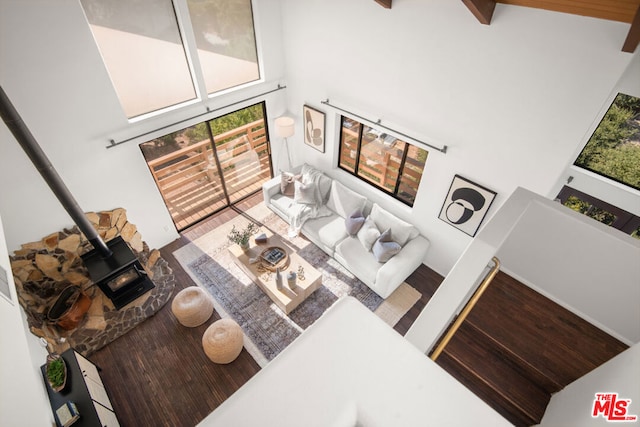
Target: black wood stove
{"points": [[120, 276], [112, 266]]}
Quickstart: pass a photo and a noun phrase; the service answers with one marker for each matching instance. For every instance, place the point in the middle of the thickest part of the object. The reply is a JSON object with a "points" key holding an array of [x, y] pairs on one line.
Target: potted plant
{"points": [[241, 237], [56, 372]]}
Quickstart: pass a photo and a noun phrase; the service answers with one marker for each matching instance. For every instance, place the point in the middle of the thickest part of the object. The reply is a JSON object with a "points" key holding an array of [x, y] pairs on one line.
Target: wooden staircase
{"points": [[517, 347]]}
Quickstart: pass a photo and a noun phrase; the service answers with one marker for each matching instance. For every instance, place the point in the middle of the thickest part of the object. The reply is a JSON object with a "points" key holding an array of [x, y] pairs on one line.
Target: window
{"points": [[613, 150], [226, 42], [210, 165], [382, 160], [600, 211], [146, 50]]}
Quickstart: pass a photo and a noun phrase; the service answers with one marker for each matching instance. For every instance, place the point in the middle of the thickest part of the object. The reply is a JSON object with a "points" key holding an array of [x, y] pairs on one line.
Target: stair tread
{"points": [[495, 400], [517, 347], [553, 334], [548, 384], [491, 369]]}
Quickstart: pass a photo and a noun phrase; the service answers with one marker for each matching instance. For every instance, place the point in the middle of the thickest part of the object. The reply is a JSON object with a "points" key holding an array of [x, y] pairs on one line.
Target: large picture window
{"points": [[384, 161], [157, 58], [613, 150]]}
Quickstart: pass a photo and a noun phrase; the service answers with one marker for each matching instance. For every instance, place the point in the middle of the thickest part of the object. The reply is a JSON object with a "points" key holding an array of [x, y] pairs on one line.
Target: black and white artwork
{"points": [[466, 205], [313, 128]]}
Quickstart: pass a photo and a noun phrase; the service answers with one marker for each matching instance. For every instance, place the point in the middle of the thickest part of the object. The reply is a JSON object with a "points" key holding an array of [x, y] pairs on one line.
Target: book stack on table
{"points": [[67, 414]]}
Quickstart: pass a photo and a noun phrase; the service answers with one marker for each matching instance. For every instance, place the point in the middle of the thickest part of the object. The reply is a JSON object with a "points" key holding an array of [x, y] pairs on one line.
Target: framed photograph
{"points": [[466, 205], [313, 128]]}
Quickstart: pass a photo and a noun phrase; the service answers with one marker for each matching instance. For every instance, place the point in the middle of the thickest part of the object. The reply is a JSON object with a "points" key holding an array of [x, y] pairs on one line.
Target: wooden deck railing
{"points": [[380, 166], [189, 179]]}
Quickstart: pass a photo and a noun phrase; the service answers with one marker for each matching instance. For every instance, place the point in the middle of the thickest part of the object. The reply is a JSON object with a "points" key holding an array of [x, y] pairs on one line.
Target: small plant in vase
{"points": [[56, 372], [241, 237]]}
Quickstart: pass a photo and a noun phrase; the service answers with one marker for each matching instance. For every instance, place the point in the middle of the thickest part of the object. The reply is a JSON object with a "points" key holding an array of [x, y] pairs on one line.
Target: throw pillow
{"points": [[324, 182], [304, 193], [385, 248], [354, 222], [286, 183], [402, 231], [343, 200], [368, 234]]}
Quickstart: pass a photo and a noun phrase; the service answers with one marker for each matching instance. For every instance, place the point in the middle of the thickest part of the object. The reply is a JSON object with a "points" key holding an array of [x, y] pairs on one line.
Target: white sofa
{"points": [[329, 232]]}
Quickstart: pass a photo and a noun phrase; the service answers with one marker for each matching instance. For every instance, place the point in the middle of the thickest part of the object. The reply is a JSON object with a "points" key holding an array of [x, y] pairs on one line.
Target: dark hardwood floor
{"points": [[517, 348], [158, 374], [514, 350]]}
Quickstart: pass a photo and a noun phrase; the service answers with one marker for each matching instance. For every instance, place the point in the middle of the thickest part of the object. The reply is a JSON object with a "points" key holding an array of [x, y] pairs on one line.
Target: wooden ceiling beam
{"points": [[384, 3], [481, 9], [633, 36], [614, 10]]}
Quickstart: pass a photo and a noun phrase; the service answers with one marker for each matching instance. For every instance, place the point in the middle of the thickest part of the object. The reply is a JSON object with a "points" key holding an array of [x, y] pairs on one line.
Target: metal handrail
{"points": [[467, 308]]}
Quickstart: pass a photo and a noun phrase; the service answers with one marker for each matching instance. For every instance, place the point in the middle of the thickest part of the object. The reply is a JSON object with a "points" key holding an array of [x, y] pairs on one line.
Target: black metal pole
{"points": [[40, 160]]}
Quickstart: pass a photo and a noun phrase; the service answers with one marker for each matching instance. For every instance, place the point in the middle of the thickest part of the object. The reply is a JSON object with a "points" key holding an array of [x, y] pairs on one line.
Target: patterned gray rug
{"points": [[267, 329]]}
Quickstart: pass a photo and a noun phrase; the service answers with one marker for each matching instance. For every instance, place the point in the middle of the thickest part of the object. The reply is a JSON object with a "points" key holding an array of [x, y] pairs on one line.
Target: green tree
{"points": [[612, 131], [197, 133], [236, 119], [622, 164], [614, 148]]}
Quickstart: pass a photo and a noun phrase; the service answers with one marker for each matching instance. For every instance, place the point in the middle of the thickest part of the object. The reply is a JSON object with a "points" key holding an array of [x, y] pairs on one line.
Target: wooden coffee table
{"points": [[286, 299]]}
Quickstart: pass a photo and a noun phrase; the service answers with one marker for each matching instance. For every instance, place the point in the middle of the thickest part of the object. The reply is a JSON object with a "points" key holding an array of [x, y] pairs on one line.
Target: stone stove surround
{"points": [[44, 268]]}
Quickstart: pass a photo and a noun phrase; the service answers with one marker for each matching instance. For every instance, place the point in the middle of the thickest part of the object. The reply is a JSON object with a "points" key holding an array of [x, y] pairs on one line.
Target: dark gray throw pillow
{"points": [[353, 222], [384, 248]]}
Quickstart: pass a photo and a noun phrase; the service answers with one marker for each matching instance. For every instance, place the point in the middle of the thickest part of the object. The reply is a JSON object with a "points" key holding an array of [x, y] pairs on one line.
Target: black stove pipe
{"points": [[28, 143]]}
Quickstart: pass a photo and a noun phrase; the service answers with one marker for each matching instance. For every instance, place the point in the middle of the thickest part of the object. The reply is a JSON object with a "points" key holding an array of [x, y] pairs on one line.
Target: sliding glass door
{"points": [[206, 167], [242, 150]]}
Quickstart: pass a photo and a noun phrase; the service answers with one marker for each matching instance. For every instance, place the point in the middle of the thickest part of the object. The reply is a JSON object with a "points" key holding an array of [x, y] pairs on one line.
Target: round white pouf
{"points": [[192, 306], [222, 341]]}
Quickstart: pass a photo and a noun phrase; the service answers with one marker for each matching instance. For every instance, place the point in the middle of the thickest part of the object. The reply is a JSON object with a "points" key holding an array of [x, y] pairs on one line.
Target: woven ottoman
{"points": [[222, 341], [192, 306]]}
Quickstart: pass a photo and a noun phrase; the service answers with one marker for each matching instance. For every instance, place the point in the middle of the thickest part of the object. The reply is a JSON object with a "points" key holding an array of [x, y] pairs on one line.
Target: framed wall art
{"points": [[313, 127], [466, 205]]}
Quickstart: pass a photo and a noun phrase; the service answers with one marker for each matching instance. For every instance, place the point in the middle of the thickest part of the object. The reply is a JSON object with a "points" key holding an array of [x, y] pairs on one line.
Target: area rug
{"points": [[267, 329]]}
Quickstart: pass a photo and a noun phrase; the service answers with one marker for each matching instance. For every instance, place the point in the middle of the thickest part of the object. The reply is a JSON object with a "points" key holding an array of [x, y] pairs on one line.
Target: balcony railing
{"points": [[380, 165], [192, 180]]}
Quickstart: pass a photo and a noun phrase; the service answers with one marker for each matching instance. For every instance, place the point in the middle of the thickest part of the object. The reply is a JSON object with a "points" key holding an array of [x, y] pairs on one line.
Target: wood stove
{"points": [[112, 266], [120, 276]]}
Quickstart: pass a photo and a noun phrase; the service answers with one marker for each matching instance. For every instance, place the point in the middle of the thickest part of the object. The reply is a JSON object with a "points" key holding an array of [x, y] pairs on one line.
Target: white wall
{"points": [[588, 182], [469, 270], [24, 399], [511, 100], [572, 406], [588, 267], [51, 70]]}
